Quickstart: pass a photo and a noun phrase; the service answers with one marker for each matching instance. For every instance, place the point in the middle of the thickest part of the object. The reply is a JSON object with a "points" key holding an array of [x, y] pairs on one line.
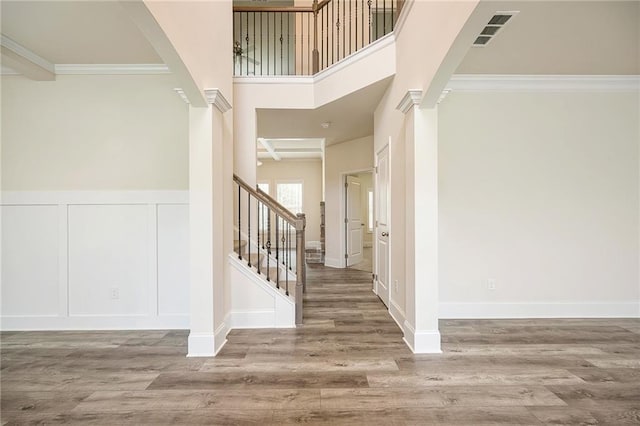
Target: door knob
{"points": [[385, 234]]}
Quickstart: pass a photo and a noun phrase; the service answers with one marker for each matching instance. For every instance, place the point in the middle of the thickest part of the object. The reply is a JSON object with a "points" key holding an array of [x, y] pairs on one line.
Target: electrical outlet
{"points": [[491, 284], [395, 285], [115, 293]]}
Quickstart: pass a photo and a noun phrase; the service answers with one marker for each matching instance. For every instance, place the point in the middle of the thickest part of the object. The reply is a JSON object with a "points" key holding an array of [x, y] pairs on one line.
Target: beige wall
{"points": [[94, 133], [423, 27], [539, 191], [307, 171], [340, 159]]}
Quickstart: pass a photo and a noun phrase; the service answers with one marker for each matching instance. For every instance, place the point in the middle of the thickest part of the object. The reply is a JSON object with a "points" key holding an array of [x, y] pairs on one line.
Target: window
{"points": [[289, 194], [370, 209], [264, 187]]}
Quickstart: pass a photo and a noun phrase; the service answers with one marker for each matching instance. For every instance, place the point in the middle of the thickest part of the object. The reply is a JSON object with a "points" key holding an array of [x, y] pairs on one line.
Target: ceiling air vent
{"points": [[493, 27]]}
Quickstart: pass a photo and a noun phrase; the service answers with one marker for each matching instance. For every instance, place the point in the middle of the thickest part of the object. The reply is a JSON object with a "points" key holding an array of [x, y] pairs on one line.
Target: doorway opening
{"points": [[359, 220]]}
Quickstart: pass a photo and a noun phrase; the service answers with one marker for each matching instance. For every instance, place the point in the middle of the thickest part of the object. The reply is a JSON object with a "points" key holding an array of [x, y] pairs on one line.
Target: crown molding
{"points": [[217, 99], [111, 69], [411, 98], [25, 53], [182, 95], [543, 83]]}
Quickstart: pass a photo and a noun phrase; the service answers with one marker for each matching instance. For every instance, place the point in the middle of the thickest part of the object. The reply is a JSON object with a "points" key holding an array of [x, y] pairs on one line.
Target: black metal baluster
{"points": [[356, 29], [268, 241], [288, 257], [393, 18], [261, 44], [370, 27], [377, 20], [362, 29], [344, 26], [249, 229], [333, 41], [321, 38], [239, 222], [384, 17], [281, 46], [288, 44], [277, 253], [309, 44], [246, 53], [258, 208]]}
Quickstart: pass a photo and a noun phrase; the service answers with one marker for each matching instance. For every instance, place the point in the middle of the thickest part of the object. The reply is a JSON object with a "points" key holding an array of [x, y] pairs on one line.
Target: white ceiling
{"points": [[350, 117], [562, 37], [77, 32], [289, 149]]}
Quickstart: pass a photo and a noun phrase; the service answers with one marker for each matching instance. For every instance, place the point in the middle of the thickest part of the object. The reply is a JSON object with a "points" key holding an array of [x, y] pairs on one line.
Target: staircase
{"points": [[270, 242]]}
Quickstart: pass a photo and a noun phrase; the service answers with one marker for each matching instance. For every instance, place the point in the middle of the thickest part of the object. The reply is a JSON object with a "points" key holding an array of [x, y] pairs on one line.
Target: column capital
{"points": [[410, 99], [216, 98]]}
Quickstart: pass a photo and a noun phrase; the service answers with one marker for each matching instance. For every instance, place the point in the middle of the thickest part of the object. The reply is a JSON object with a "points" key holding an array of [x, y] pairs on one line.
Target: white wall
{"points": [[94, 202], [93, 133], [539, 191], [307, 171], [340, 159], [94, 260]]}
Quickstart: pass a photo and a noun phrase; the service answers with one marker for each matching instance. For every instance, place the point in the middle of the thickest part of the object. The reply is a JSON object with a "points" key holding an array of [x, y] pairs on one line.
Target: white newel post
{"points": [[207, 207], [421, 244]]}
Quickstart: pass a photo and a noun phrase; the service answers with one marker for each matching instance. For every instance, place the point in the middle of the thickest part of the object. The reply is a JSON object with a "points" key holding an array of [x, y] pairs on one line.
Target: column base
{"points": [[422, 341]]}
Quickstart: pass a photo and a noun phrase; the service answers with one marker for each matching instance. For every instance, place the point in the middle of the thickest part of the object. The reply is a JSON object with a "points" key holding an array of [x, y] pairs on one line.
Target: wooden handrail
{"points": [[265, 198], [282, 9]]}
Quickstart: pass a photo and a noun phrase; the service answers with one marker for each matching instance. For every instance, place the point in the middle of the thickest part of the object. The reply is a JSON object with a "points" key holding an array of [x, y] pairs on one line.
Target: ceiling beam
{"points": [[25, 62], [267, 145]]}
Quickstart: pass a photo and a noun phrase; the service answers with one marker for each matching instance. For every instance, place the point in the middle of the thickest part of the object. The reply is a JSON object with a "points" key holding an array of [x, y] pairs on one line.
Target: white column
{"points": [[421, 224], [207, 225]]}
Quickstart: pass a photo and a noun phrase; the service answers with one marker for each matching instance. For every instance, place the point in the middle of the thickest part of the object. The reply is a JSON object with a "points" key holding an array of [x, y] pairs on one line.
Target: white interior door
{"points": [[354, 225], [382, 225]]}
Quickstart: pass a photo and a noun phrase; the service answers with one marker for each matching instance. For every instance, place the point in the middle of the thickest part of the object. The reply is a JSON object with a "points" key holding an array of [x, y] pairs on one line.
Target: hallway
{"points": [[346, 365]]}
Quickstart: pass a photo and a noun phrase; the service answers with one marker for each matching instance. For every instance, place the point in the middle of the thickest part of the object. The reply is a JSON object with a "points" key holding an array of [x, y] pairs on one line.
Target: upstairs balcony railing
{"points": [[305, 40]]}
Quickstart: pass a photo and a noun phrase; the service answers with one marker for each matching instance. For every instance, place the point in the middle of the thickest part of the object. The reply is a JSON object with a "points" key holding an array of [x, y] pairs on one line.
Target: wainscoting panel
{"points": [[95, 260], [30, 260], [108, 260], [173, 259]]}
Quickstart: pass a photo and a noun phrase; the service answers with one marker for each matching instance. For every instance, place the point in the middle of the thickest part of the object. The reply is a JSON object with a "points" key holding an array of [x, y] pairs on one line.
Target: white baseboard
{"points": [[94, 322], [422, 341], [397, 314], [333, 262], [220, 336], [450, 310], [201, 345]]}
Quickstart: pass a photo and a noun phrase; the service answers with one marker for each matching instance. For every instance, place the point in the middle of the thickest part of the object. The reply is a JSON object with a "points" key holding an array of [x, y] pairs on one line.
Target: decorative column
{"points": [[421, 223], [208, 203]]}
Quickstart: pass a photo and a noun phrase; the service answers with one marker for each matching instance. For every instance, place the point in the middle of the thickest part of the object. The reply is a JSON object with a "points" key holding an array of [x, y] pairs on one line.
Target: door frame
{"points": [[387, 146], [343, 210]]}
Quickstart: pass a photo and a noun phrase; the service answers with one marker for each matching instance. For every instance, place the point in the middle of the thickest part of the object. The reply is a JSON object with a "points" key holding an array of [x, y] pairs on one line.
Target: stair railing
{"points": [[273, 229], [305, 40]]}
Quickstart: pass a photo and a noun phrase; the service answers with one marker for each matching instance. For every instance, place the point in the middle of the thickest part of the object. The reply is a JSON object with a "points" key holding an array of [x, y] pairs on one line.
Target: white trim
{"points": [[27, 54], [182, 95], [544, 83], [397, 314], [201, 345], [94, 322], [93, 197], [217, 99], [422, 341], [333, 262], [111, 69], [369, 49], [281, 316], [220, 336], [410, 99], [621, 309], [152, 319]]}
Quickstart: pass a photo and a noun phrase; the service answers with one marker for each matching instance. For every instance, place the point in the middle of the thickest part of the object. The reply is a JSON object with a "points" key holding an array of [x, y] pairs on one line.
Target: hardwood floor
{"points": [[346, 365]]}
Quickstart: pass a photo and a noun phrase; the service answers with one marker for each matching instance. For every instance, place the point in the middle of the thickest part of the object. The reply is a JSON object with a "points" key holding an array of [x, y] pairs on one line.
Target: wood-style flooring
{"points": [[346, 365]]}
